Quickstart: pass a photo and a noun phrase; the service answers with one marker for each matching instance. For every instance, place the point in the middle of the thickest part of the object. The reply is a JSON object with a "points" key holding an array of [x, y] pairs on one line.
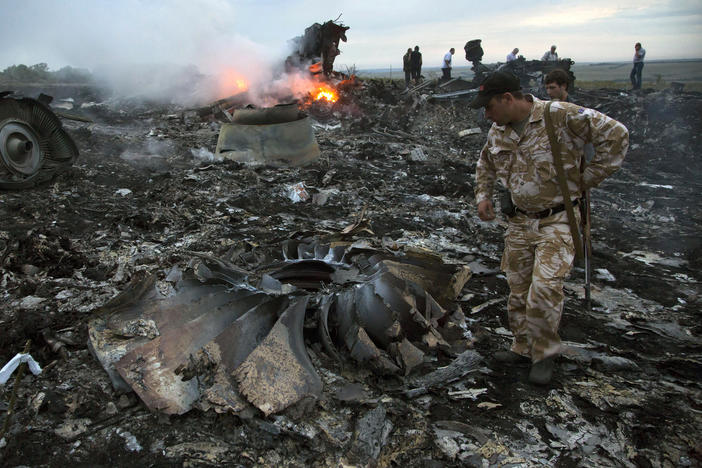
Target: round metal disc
{"points": [[19, 147]]}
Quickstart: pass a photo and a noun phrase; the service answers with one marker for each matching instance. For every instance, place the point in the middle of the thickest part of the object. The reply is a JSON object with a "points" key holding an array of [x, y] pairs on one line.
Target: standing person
{"points": [[446, 64], [407, 66], [416, 65], [550, 55], [556, 82], [539, 248], [635, 75], [512, 55]]}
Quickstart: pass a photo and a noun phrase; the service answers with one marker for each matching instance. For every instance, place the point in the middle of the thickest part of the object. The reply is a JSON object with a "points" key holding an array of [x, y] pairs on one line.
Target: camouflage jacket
{"points": [[525, 165]]}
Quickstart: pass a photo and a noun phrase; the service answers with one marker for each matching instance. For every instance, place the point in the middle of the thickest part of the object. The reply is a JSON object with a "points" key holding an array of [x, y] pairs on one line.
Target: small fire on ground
{"points": [[307, 89], [232, 82], [324, 92]]}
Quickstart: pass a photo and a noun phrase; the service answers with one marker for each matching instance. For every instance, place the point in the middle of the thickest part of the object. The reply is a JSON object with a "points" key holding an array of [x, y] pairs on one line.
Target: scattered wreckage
{"points": [[528, 71], [34, 147], [193, 294]]}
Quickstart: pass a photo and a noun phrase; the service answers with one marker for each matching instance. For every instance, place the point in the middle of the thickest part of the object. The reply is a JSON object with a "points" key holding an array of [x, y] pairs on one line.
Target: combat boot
{"points": [[542, 371], [510, 357]]}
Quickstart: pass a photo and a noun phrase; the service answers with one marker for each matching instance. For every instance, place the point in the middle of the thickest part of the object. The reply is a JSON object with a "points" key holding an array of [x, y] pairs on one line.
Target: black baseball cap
{"points": [[496, 83]]}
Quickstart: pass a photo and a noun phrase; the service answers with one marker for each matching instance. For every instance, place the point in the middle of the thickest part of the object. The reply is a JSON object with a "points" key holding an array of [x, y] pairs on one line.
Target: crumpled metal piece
{"points": [[219, 342]]}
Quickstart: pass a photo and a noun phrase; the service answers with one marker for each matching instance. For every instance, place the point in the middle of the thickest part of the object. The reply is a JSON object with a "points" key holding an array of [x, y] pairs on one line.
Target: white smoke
{"points": [[185, 51]]}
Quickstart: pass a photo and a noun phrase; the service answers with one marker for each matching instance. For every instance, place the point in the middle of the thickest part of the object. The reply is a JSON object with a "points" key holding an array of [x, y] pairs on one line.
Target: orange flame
{"points": [[325, 92], [232, 82]]}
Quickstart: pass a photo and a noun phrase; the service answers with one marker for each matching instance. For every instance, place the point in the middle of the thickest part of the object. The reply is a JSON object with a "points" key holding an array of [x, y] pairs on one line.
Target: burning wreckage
{"points": [[231, 283], [317, 48]]}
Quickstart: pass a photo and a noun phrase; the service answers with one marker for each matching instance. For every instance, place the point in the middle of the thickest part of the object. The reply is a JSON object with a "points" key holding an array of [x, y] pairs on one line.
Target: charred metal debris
{"points": [[217, 341], [317, 49], [33, 144], [276, 136], [528, 71]]}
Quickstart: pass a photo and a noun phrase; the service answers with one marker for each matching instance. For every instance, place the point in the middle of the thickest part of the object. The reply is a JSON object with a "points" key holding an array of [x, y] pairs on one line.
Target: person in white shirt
{"points": [[550, 55], [635, 75], [446, 65], [512, 55]]}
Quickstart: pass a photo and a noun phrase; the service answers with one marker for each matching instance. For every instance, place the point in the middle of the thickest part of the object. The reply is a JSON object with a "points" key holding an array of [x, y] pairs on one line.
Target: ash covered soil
{"points": [[145, 193]]}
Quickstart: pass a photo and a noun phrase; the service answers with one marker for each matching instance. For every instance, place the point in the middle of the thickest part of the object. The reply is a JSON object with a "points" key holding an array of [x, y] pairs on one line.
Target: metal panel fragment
{"points": [[278, 373], [153, 369], [276, 144]]}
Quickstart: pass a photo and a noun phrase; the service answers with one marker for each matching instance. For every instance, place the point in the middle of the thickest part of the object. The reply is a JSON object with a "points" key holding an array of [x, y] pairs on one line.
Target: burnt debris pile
{"points": [[342, 308]]}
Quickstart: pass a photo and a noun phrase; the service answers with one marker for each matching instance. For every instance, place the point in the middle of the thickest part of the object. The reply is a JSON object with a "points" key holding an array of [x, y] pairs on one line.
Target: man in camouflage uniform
{"points": [[539, 247]]}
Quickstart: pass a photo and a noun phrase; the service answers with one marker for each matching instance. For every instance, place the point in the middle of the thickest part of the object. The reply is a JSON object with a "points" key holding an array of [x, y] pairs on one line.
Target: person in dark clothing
{"points": [[407, 66], [416, 64]]}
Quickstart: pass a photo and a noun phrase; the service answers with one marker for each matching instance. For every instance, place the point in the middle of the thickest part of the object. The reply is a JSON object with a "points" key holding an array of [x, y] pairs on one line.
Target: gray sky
{"points": [[249, 34]]}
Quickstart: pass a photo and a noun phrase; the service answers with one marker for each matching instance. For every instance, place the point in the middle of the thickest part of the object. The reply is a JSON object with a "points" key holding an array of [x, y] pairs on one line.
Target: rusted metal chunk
{"points": [[278, 373], [232, 347], [274, 136]]}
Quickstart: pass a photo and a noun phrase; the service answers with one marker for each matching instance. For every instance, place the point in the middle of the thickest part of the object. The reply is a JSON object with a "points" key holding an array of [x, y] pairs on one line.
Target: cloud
{"points": [[251, 36]]}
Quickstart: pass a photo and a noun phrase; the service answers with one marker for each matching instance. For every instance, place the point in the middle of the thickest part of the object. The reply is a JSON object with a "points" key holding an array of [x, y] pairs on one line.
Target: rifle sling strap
{"points": [[558, 162]]}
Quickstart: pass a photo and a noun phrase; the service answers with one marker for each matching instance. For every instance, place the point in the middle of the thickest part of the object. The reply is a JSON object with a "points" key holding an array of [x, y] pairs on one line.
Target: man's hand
{"points": [[486, 211]]}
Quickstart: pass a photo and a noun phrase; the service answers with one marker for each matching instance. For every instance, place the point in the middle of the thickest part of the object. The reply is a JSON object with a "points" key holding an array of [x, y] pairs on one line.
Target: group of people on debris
{"points": [[412, 63], [549, 56], [634, 76]]}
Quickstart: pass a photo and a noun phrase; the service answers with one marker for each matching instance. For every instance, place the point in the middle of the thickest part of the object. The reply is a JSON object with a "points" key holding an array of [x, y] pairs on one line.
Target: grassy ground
{"points": [[658, 85]]}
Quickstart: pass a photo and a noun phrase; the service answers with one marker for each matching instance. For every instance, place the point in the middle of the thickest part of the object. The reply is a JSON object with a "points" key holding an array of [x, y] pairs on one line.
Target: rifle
{"points": [[588, 153], [587, 244], [582, 244]]}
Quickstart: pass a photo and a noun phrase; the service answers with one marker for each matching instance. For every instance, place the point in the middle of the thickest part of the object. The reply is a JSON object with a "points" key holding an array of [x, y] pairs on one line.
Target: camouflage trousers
{"points": [[538, 257]]}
